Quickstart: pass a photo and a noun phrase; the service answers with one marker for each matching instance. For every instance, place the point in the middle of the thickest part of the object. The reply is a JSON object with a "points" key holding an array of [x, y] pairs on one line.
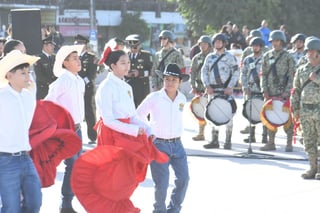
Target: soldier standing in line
{"points": [[250, 79], [198, 88], [88, 73], [168, 54], [141, 65], [44, 68], [305, 102], [219, 74], [277, 77], [247, 51], [297, 50]]}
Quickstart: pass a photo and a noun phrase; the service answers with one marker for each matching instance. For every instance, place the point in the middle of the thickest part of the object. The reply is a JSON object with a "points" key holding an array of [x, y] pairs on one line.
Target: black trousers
{"points": [[90, 110]]}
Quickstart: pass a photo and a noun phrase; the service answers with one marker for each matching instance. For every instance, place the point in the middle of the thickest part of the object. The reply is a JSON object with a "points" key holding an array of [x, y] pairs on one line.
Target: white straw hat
{"points": [[62, 54], [11, 60]]}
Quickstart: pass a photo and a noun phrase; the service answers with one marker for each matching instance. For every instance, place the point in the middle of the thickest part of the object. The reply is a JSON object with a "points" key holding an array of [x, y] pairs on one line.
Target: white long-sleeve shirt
{"points": [[114, 100], [68, 92], [16, 113], [165, 115]]}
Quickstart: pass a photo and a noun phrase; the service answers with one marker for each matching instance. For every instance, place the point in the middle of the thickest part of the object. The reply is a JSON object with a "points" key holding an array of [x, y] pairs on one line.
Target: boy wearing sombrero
{"points": [[165, 108], [18, 175], [68, 92]]}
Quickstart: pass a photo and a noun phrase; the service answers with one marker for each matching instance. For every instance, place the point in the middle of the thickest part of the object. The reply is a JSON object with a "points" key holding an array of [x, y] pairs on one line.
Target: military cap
{"points": [[219, 36], [167, 34], [298, 36], [48, 40], [313, 44], [277, 35], [80, 39], [133, 39], [205, 39], [257, 41], [255, 33]]}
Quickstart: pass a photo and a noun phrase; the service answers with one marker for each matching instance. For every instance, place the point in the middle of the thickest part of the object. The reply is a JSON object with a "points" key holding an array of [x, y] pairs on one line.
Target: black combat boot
{"points": [[214, 144], [252, 136]]}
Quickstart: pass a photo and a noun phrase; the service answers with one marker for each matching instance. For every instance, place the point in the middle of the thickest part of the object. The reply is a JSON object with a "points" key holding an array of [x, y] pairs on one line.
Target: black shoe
{"points": [[67, 210], [211, 146]]}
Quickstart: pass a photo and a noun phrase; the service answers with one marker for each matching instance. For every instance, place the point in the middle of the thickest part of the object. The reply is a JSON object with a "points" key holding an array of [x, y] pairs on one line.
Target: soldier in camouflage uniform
{"points": [[246, 52], [205, 44], [141, 64], [277, 76], [167, 55], [250, 79], [305, 102], [297, 50], [88, 73], [228, 70]]}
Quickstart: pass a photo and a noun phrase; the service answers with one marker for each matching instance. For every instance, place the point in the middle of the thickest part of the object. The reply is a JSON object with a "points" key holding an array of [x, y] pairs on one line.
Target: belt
{"points": [[169, 140], [14, 154], [311, 106]]}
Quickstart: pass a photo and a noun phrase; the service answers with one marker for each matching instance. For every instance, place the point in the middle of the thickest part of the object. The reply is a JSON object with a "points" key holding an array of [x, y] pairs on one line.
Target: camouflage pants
{"points": [[310, 124]]}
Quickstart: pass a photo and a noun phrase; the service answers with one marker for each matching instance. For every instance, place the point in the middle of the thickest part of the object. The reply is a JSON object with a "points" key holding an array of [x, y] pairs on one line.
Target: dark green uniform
{"points": [[44, 74], [88, 73], [141, 61]]}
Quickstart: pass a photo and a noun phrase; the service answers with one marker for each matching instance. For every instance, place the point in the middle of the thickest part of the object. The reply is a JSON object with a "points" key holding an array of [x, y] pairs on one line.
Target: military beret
{"points": [[80, 39]]}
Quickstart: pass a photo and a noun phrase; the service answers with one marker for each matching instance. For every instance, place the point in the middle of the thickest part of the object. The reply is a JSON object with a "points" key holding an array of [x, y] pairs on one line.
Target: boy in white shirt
{"points": [[18, 175], [165, 108], [68, 92]]}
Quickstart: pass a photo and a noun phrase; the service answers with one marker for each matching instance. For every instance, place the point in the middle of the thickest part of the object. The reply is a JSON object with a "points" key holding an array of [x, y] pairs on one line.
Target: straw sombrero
{"points": [[61, 55], [11, 60]]}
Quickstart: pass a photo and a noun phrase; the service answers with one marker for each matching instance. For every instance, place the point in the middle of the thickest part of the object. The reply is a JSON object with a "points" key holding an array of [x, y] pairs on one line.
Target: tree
{"points": [[205, 16], [132, 24]]}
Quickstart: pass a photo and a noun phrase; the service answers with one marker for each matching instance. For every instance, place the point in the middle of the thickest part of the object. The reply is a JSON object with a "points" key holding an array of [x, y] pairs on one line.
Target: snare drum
{"points": [[254, 104], [220, 109], [275, 113], [198, 105]]}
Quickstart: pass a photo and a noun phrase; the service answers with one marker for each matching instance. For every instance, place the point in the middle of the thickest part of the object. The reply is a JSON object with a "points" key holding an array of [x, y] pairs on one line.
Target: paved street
{"points": [[228, 181]]}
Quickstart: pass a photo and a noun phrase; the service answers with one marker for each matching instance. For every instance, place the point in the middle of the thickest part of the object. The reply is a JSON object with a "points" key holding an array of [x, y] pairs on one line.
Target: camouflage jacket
{"points": [[250, 73], [310, 94], [277, 78], [174, 57], [196, 65], [296, 55], [227, 66], [248, 51]]}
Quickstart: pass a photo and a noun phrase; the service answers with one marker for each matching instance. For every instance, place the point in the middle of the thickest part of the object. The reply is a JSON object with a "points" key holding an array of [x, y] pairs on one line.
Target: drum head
{"points": [[219, 111], [277, 115], [198, 106], [254, 105]]}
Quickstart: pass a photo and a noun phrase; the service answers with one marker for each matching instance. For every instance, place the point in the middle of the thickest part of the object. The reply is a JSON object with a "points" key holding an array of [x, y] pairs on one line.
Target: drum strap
{"points": [[254, 73], [161, 66], [273, 69], [308, 81], [216, 70]]}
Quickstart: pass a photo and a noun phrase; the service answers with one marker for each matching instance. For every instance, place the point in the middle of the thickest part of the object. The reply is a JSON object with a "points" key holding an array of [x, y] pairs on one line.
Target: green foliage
{"points": [[132, 24], [297, 15]]}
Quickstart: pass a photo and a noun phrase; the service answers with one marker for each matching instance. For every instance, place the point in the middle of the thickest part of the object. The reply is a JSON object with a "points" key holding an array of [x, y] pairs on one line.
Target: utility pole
{"points": [[93, 29]]}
